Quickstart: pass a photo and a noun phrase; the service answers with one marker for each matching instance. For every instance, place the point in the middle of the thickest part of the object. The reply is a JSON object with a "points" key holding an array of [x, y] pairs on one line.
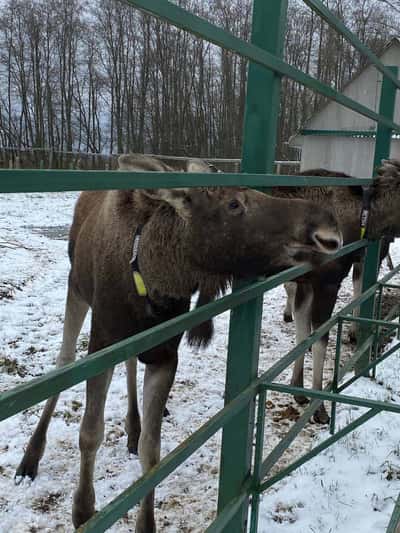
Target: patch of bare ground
{"points": [[46, 503]]}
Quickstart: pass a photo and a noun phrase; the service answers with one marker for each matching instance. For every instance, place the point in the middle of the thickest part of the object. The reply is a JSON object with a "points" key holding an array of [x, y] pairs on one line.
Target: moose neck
{"points": [[165, 259], [384, 215]]}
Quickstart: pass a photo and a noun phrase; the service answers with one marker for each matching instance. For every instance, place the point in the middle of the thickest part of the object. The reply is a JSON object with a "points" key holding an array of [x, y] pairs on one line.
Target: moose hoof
{"points": [[81, 515], [301, 400], [287, 317], [321, 416], [27, 468], [133, 447]]}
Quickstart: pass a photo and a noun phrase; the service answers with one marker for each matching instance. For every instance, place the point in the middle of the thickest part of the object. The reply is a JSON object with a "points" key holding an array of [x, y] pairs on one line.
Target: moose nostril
{"points": [[328, 244]]}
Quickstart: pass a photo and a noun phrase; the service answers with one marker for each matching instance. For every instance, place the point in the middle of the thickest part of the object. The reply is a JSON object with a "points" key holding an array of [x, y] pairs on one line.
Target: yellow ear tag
{"points": [[139, 283], [362, 233]]}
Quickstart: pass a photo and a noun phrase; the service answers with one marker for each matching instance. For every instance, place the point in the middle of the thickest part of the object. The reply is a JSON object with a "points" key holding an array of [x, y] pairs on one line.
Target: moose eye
{"points": [[234, 204]]}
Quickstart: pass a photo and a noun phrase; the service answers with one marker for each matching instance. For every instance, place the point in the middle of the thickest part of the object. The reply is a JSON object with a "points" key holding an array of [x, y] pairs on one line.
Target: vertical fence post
{"points": [[237, 439], [260, 130], [371, 263], [263, 88]]}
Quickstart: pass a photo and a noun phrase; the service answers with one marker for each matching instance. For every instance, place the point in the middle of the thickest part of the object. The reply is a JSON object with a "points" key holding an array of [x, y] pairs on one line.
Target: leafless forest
{"points": [[98, 76]]}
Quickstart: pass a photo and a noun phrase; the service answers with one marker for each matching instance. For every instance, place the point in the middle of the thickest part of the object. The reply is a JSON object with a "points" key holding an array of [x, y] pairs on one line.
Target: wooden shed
{"points": [[339, 139]]}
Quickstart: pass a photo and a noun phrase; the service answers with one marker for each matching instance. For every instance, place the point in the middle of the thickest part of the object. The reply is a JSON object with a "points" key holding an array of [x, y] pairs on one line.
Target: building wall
{"points": [[349, 154], [353, 156]]}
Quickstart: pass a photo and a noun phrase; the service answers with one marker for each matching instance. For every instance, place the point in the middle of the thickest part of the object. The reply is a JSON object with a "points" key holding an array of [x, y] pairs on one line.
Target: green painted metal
{"points": [[200, 27], [395, 518], [133, 494], [370, 366], [279, 450], [370, 321], [258, 453], [389, 285], [386, 108], [372, 259], [323, 11], [258, 155], [350, 364], [237, 481], [37, 390], [338, 133], [230, 510], [336, 372], [12, 181], [263, 92], [237, 436], [331, 396], [319, 448]]}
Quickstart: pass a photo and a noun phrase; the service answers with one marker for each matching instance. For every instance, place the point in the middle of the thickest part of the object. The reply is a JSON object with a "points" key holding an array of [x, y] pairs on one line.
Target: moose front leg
{"points": [[158, 380], [75, 313], [132, 421], [90, 437]]}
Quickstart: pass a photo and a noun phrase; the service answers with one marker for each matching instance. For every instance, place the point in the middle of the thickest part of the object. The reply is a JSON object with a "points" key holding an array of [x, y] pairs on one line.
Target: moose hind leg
{"points": [[132, 421], [288, 313], [158, 381], [319, 351], [323, 304], [90, 437], [75, 312], [302, 315]]}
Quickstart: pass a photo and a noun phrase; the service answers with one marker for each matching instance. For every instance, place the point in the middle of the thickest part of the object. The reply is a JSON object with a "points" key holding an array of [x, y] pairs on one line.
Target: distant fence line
{"points": [[14, 157]]}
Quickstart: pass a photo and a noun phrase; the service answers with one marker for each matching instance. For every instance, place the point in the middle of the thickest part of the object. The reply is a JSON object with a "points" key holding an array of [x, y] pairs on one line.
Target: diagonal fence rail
{"points": [[242, 472]]}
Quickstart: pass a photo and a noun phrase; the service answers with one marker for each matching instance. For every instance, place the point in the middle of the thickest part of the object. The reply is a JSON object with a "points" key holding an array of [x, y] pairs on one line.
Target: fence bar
{"points": [[279, 450], [133, 494], [339, 133], [369, 367], [331, 396], [258, 455], [325, 13], [372, 259], [395, 518], [259, 140], [230, 510], [83, 180], [336, 373], [349, 365], [370, 321], [263, 88], [237, 436], [33, 392], [198, 26], [315, 451]]}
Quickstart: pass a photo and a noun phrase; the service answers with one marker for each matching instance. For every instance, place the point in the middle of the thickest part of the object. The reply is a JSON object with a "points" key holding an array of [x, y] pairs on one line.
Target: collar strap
{"points": [[365, 211], [137, 277]]}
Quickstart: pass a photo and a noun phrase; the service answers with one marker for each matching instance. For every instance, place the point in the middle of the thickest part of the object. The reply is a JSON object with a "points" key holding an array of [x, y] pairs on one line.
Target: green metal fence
{"points": [[243, 474]]}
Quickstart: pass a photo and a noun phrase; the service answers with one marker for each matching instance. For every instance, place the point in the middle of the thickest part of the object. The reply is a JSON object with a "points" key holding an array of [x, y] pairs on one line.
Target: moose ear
{"points": [[389, 168], [179, 199], [197, 165], [142, 163]]}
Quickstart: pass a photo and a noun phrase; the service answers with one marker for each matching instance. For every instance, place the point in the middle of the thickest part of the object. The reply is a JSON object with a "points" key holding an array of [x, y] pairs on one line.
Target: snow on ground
{"points": [[349, 488]]}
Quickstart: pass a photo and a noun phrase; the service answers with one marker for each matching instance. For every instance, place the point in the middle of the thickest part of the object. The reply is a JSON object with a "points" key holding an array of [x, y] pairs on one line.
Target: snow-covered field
{"points": [[350, 488]]}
